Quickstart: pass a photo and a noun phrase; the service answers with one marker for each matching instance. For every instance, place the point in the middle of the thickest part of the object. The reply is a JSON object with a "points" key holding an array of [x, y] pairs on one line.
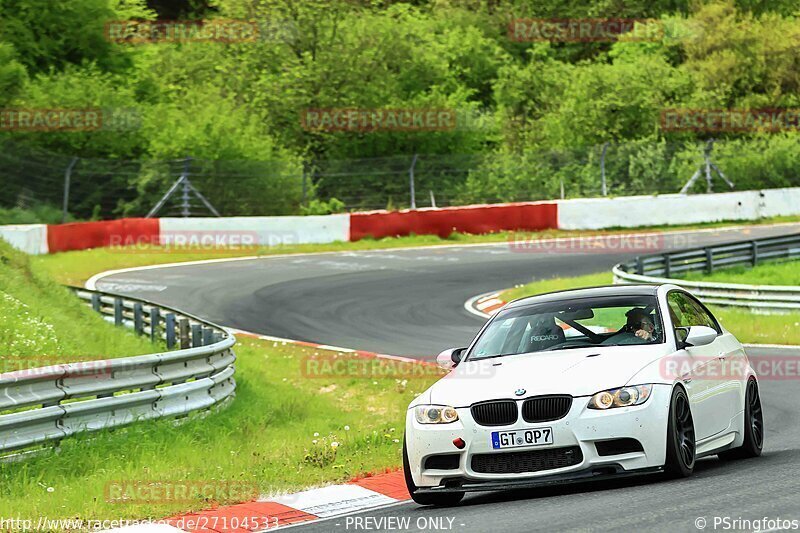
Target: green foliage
{"points": [[50, 34], [12, 73], [322, 207], [40, 214], [532, 115]]}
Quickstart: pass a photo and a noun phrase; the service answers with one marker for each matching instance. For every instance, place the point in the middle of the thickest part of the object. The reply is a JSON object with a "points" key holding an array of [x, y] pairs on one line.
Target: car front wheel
{"points": [[444, 499], [680, 436]]}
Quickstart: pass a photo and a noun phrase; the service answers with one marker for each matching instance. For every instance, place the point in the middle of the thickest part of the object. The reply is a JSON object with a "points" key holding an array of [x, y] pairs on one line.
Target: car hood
{"points": [[578, 372]]}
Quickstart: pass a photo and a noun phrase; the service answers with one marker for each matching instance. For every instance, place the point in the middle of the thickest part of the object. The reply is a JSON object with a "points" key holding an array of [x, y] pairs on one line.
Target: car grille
{"points": [[529, 461], [546, 408], [495, 413]]}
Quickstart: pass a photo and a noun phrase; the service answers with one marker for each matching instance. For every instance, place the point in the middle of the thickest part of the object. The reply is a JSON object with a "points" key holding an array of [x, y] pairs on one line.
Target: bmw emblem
{"points": [[520, 392]]}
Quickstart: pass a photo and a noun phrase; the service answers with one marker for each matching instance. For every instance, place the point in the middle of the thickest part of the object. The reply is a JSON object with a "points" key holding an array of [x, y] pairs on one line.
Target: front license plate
{"points": [[522, 437]]}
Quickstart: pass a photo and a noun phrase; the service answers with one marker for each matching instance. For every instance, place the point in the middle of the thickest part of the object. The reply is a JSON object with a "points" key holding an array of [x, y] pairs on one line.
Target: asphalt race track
{"points": [[410, 302]]}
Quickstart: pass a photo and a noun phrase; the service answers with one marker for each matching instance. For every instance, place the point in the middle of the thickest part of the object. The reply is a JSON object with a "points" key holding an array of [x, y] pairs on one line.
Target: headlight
{"points": [[624, 397], [435, 414]]}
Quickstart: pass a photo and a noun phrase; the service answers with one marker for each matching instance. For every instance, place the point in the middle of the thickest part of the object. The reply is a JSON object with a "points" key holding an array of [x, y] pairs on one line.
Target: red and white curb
{"points": [[310, 505], [485, 305]]}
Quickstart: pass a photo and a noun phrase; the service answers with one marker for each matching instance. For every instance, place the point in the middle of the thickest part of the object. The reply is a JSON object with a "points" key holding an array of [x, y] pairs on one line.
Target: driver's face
{"points": [[647, 325]]}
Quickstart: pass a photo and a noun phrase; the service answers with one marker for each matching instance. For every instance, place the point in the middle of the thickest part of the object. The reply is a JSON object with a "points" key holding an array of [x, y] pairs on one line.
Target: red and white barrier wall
{"points": [[442, 222], [577, 214], [264, 231], [30, 238]]}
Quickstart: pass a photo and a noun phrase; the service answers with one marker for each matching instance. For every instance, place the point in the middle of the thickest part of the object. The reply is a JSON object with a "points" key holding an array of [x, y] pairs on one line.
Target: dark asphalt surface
{"points": [[410, 302]]}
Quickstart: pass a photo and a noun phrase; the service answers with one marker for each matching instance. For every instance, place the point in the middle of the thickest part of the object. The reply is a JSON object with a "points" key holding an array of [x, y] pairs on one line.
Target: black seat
{"points": [[544, 333]]}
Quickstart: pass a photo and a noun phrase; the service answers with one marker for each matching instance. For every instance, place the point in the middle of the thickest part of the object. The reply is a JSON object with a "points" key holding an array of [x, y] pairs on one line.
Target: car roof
{"points": [[589, 292]]}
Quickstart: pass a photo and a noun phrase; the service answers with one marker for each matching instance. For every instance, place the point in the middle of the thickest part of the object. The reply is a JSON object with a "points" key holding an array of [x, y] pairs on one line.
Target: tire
{"points": [[444, 499], [753, 426], [680, 437]]}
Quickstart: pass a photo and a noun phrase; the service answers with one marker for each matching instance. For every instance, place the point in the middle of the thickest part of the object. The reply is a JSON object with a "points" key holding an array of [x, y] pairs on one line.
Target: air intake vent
{"points": [[443, 462], [618, 446], [495, 413], [530, 461], [546, 408]]}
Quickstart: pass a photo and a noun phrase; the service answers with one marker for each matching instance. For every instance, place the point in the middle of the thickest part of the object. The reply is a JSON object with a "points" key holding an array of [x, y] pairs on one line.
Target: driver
{"points": [[640, 324]]}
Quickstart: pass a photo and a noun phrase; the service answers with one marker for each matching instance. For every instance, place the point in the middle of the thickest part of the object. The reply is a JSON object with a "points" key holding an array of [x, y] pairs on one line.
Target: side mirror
{"points": [[695, 336], [448, 359]]}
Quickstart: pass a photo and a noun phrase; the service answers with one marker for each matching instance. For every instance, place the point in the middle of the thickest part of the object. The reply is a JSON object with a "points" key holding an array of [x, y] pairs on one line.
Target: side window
{"points": [[686, 311]]}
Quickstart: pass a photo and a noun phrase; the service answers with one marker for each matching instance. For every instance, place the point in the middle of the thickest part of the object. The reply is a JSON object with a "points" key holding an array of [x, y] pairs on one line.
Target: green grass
{"points": [[264, 438], [747, 326], [773, 273], [42, 323], [74, 268]]}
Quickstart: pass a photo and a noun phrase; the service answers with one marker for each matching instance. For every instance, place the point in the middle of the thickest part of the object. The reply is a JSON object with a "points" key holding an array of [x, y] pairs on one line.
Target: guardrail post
{"points": [[138, 318], [96, 302], [755, 252], [183, 333], [155, 323], [117, 311], [197, 335], [208, 336], [639, 265], [169, 329], [667, 265], [709, 261]]}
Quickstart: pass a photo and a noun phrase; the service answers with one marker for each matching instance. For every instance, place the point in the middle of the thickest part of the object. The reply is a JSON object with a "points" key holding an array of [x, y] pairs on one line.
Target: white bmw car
{"points": [[582, 385]]}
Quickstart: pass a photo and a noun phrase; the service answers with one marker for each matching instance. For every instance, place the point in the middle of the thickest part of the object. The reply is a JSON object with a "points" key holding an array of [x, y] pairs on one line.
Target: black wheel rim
{"points": [[684, 427], [756, 419]]}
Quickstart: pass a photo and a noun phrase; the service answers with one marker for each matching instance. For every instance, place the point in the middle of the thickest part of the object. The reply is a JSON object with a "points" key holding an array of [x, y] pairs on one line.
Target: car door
{"points": [[725, 368], [702, 381]]}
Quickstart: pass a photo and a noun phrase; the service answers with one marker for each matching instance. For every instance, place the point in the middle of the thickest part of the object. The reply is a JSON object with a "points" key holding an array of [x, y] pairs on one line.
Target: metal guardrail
{"points": [[658, 268], [44, 405]]}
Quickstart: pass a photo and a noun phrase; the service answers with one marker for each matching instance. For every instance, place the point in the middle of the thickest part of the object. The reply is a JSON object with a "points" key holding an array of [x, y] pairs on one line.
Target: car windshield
{"points": [[571, 323]]}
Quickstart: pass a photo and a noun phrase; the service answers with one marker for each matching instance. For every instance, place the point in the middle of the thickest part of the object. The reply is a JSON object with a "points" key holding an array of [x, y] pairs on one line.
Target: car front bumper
{"points": [[582, 427]]}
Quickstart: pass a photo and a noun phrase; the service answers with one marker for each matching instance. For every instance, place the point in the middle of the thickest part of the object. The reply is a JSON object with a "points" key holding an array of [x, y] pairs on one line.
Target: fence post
{"points": [[197, 335], [304, 187], [667, 265], [755, 252], [208, 336], [117, 311], [155, 322], [183, 333], [169, 329], [639, 265], [96, 302], [138, 318], [67, 177], [411, 182], [603, 170], [709, 261]]}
